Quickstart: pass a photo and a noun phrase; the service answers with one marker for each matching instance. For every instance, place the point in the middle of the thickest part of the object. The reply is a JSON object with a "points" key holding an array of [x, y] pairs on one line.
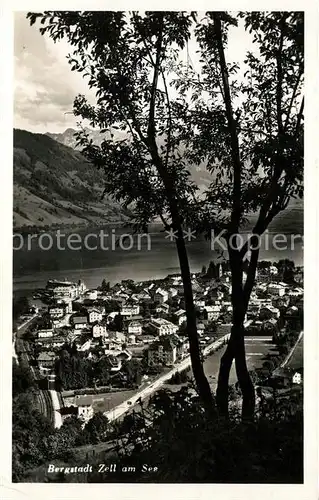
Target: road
{"points": [[256, 350], [123, 408]]}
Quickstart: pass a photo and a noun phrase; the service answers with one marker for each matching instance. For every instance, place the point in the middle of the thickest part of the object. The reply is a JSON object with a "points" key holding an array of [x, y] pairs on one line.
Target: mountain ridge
{"points": [[54, 185]]}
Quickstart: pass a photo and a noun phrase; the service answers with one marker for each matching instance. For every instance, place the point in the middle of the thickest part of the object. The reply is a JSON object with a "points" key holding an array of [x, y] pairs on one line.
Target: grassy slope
{"points": [[53, 184]]}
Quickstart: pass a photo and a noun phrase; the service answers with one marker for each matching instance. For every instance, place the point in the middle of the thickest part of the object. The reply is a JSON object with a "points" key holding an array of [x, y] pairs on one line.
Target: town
{"points": [[116, 341]]}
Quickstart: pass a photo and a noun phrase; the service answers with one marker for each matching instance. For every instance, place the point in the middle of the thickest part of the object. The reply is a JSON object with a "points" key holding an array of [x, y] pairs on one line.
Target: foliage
{"points": [[248, 133], [97, 428], [22, 380], [174, 429], [20, 306], [73, 370], [29, 428]]}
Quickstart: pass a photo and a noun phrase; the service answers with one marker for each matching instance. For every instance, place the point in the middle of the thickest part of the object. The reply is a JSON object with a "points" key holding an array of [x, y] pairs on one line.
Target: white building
{"points": [[200, 303], [99, 330], [134, 328], [162, 308], [273, 270], [43, 334], [161, 296], [85, 347], [131, 339], [296, 292], [91, 294], [200, 329], [212, 312], [80, 322], [276, 289], [117, 336], [297, 378], [63, 289], [180, 316], [56, 312], [84, 407], [162, 326], [130, 310], [95, 315]]}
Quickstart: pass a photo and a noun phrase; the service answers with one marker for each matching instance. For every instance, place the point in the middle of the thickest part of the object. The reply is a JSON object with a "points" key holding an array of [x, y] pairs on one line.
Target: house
{"points": [[115, 363], [85, 346], [161, 326], [112, 345], [131, 339], [297, 377], [172, 292], [117, 336], [162, 308], [276, 289], [162, 352], [80, 322], [161, 296], [56, 311], [84, 408], [56, 341], [200, 303], [269, 312], [130, 310], [180, 316], [212, 312], [44, 334], [91, 294], [68, 306], [62, 289], [200, 329], [296, 292], [46, 360], [95, 315], [100, 330], [58, 323], [253, 309], [134, 328]]}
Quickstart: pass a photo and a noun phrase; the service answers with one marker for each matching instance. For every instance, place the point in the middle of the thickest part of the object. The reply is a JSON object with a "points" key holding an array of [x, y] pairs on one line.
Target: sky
{"points": [[45, 86]]}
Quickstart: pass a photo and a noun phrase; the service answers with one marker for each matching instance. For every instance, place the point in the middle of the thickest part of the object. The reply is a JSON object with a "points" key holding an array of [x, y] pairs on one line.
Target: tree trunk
{"points": [[245, 382], [223, 377], [195, 354], [236, 346]]}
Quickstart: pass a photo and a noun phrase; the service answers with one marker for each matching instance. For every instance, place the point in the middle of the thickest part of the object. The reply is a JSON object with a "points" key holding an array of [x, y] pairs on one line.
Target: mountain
{"points": [[67, 137], [55, 186]]}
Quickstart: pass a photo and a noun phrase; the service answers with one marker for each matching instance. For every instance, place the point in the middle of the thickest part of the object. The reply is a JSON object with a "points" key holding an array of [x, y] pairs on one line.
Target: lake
{"points": [[151, 257]]}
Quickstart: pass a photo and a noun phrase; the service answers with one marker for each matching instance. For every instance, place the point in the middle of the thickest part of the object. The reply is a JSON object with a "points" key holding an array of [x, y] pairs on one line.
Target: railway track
{"points": [[24, 354]]}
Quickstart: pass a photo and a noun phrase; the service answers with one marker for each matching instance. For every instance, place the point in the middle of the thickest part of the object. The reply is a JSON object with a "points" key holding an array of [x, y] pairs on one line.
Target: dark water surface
{"points": [[147, 259]]}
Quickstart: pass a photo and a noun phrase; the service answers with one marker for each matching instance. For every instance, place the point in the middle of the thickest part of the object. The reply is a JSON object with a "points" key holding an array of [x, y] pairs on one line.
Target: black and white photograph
{"points": [[158, 247]]}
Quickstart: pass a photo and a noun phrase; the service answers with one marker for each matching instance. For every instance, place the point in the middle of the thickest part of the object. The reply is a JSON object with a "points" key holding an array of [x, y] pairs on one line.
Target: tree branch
{"points": [[293, 97], [236, 210], [279, 76]]}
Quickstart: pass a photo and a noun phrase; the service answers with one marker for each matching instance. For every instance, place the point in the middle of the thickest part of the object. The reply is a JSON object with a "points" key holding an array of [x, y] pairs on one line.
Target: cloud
{"points": [[45, 87]]}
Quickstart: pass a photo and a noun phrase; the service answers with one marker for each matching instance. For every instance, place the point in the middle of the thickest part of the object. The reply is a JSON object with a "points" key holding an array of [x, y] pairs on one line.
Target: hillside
{"points": [[55, 186]]}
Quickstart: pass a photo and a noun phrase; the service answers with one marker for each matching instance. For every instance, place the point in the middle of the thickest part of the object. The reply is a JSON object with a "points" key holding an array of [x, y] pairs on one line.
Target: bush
{"points": [[175, 435]]}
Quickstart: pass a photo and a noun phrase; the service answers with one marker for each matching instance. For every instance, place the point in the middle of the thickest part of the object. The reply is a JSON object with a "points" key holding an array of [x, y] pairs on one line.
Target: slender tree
{"points": [[248, 132], [127, 59]]}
